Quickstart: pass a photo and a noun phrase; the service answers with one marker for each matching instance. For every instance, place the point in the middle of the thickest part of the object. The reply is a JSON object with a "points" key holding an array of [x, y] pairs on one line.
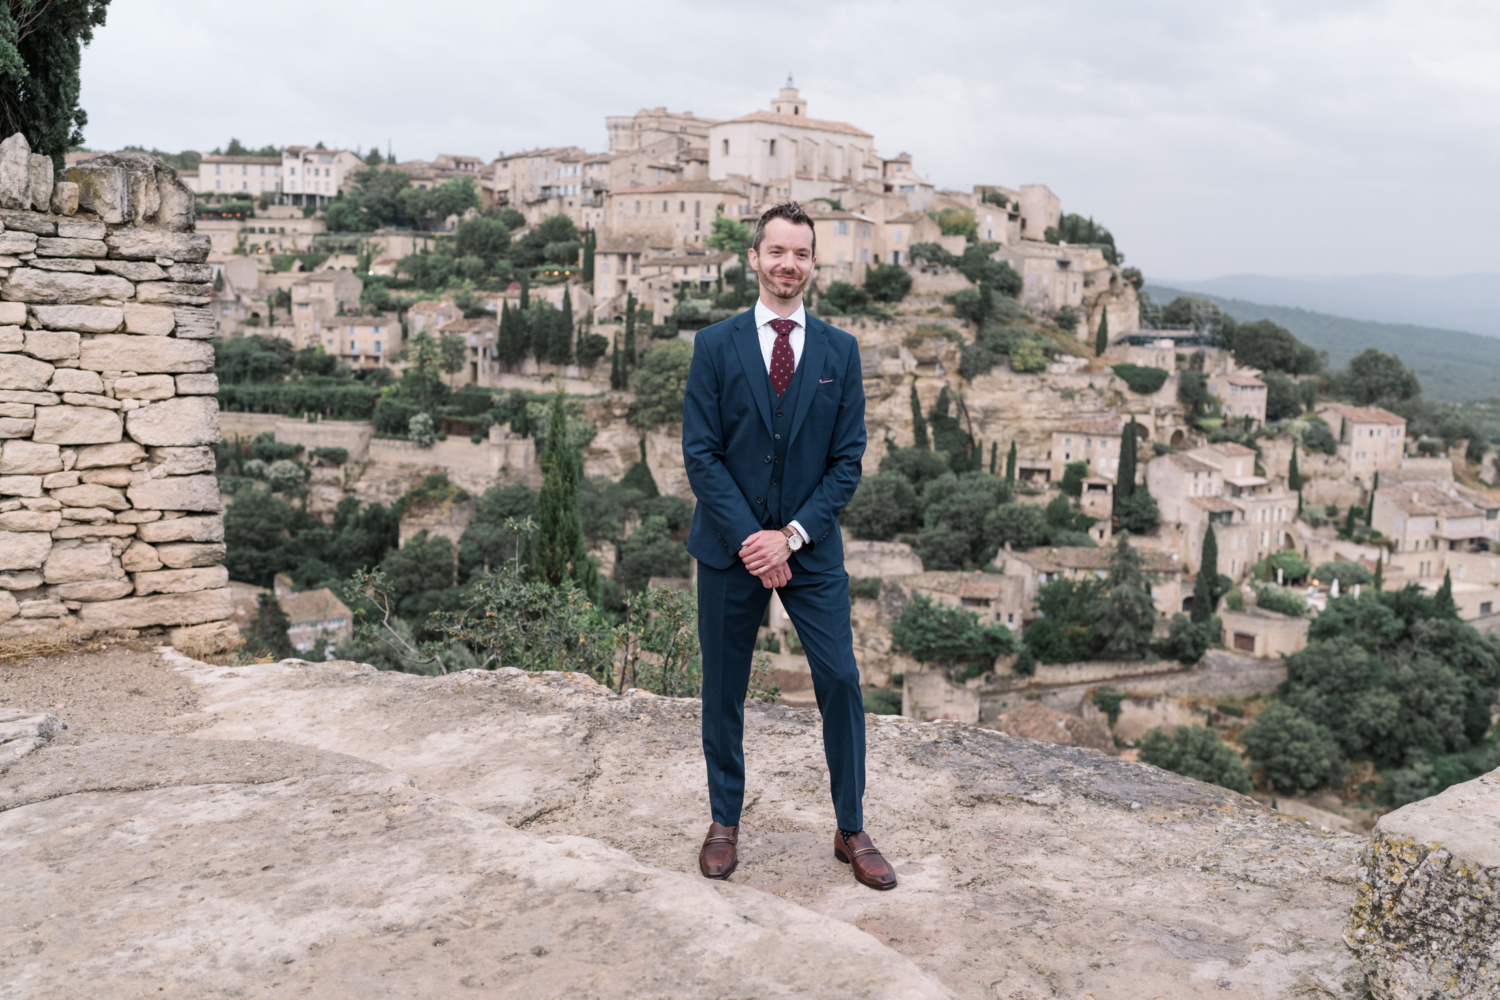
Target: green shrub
{"points": [[1347, 573], [660, 382], [882, 505], [1280, 600], [1235, 599], [867, 587], [1195, 752], [882, 702], [844, 299], [1107, 700], [887, 282], [1029, 357], [1292, 753], [266, 448], [334, 456], [1142, 379]]}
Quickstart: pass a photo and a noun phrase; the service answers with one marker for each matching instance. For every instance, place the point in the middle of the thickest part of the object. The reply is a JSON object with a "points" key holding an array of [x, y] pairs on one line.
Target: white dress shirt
{"points": [[763, 317], [798, 337]]}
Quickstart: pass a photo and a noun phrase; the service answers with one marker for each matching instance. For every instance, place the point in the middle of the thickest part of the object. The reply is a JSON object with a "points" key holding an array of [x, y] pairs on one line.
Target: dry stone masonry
{"points": [[110, 516]]}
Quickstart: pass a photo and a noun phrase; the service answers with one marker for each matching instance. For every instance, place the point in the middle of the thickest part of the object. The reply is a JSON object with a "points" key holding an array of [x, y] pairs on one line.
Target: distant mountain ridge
{"points": [[1468, 302], [1453, 365]]}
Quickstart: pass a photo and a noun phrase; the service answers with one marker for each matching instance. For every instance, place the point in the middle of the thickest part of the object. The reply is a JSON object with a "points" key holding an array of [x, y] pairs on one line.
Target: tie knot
{"points": [[783, 327]]}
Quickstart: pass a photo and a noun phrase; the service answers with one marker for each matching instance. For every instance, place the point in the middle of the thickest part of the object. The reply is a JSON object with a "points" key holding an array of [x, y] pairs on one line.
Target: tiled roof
{"points": [[1231, 449], [1080, 558], [468, 325], [313, 605], [1427, 499], [1191, 463], [682, 187], [1366, 415], [1249, 380], [1212, 503], [797, 121]]}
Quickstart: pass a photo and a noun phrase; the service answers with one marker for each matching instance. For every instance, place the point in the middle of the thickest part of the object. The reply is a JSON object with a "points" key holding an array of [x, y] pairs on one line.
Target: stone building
{"points": [[110, 516], [796, 157], [1217, 484], [1035, 567], [1263, 633], [1370, 439], [249, 176], [361, 342], [1242, 394], [671, 215], [1040, 211], [1435, 517], [312, 176]]}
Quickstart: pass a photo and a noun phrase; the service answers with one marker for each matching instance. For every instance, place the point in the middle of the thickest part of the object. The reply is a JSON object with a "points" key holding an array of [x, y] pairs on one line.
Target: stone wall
{"points": [[110, 516]]}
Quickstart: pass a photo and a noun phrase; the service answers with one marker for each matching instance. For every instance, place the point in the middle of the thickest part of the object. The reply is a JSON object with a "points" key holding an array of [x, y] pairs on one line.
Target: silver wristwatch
{"points": [[793, 538]]}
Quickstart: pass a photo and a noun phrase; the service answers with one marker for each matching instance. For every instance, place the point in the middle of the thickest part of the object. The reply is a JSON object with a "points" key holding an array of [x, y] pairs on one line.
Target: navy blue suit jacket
{"points": [[726, 440]]}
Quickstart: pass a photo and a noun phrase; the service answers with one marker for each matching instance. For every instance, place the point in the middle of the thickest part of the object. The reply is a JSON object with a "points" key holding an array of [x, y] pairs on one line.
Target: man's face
{"points": [[785, 259]]}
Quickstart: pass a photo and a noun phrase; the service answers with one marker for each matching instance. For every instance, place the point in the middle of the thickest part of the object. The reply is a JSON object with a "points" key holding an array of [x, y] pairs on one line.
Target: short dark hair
{"points": [[791, 212]]}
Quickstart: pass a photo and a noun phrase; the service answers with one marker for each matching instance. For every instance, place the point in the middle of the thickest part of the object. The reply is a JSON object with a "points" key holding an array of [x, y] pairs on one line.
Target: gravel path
{"points": [[118, 687]]}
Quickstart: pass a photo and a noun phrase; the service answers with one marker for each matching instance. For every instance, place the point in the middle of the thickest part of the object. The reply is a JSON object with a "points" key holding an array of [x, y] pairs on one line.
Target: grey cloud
{"points": [[1273, 137]]}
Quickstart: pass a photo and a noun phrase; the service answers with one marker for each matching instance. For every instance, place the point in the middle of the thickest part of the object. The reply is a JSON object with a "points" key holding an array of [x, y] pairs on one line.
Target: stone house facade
{"points": [[1371, 439]]}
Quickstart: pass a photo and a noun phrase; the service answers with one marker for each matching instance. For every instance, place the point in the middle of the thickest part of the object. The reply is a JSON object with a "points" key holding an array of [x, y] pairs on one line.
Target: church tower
{"points": [[788, 102]]}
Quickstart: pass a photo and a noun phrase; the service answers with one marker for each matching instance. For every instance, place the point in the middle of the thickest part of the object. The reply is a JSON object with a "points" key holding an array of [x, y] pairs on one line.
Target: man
{"points": [[773, 430]]}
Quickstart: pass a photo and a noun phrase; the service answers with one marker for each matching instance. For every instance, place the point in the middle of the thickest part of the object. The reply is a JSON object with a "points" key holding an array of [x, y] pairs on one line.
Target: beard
{"points": [[775, 280]]}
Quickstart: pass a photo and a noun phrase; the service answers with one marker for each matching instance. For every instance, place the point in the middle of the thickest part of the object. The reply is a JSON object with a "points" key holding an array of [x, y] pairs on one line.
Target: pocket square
{"points": [[824, 381]]}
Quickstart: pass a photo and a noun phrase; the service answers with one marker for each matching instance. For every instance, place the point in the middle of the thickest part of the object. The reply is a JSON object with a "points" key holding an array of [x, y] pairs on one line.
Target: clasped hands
{"points": [[765, 554]]}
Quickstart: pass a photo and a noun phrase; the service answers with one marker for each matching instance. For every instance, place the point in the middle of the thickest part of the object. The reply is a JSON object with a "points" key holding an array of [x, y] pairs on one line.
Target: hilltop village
{"points": [[1086, 516]]}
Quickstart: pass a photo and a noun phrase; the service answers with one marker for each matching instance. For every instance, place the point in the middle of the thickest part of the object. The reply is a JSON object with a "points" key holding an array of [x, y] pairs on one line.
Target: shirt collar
{"points": [[763, 315]]}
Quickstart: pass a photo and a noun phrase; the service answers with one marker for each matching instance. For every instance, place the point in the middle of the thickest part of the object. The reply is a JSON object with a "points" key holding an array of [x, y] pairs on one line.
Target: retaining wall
{"points": [[110, 516]]}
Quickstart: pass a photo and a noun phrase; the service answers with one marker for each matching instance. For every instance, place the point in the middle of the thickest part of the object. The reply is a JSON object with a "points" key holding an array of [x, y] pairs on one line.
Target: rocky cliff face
{"points": [[334, 831]]}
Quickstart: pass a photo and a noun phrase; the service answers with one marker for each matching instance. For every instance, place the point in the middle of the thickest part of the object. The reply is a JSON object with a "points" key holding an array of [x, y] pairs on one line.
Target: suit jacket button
{"points": [[773, 482], [778, 413], [760, 500], [778, 437], [768, 459]]}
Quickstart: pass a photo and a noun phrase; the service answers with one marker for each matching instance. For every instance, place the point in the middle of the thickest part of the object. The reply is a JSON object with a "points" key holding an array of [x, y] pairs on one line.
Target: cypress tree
{"points": [[1293, 474], [918, 422], [1125, 478], [1124, 613], [994, 456], [559, 526], [614, 365], [1370, 507], [561, 347], [1349, 522], [1442, 603], [590, 239], [630, 329], [1101, 339], [1203, 599], [269, 627], [539, 326], [1208, 566], [1379, 572], [525, 291], [1010, 463]]}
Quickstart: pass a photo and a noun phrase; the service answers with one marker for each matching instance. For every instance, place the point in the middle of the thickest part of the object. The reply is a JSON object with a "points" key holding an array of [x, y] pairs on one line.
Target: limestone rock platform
{"points": [[327, 830]]}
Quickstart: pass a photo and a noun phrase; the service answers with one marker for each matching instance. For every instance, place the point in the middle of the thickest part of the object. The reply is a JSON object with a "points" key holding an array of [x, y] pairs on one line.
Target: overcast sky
{"points": [[1309, 137]]}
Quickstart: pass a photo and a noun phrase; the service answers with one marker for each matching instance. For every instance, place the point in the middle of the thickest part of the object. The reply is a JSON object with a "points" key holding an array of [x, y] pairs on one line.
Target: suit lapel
{"points": [[814, 348], [747, 344]]}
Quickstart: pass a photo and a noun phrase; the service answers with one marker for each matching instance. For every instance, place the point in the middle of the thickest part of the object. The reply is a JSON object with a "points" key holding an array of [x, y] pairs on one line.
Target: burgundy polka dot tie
{"points": [[783, 361]]}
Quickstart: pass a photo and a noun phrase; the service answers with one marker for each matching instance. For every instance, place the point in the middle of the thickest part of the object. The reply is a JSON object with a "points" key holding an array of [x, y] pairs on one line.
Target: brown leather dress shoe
{"points": [[860, 854], [718, 856]]}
